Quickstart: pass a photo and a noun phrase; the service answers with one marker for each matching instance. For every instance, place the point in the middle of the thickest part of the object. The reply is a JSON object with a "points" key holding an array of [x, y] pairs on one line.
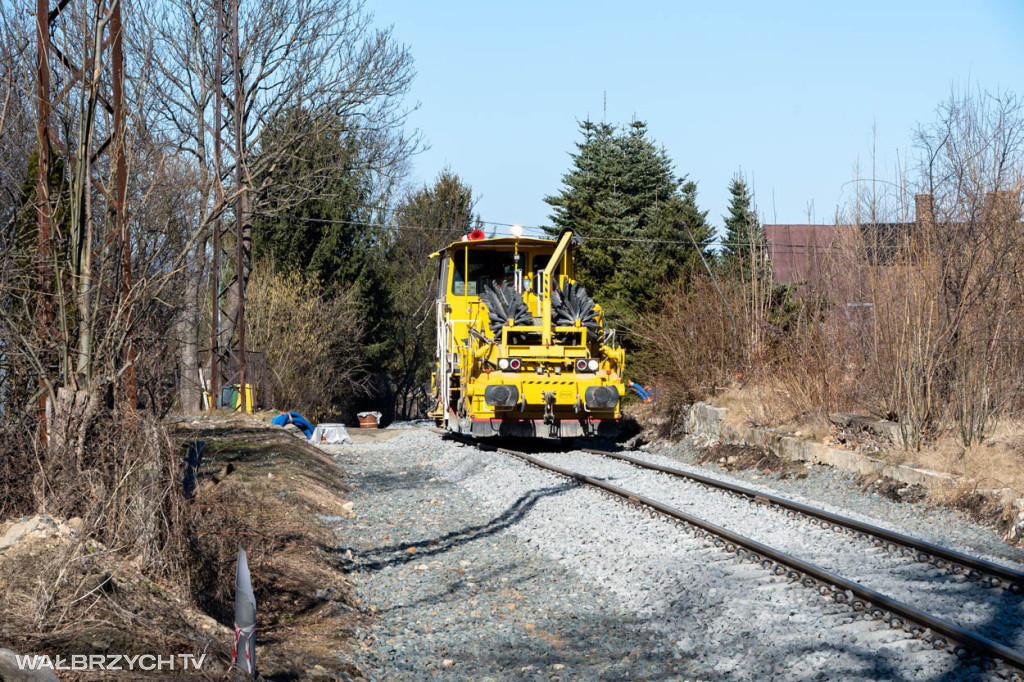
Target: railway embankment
{"points": [[256, 487], [1002, 508]]}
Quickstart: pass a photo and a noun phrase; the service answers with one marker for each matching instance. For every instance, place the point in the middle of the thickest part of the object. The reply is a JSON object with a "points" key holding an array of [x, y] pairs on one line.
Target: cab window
{"points": [[539, 262], [485, 267]]}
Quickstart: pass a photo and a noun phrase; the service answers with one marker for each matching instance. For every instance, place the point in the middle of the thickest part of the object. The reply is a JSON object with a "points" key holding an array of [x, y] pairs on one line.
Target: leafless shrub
{"points": [[126, 487], [919, 316], [718, 331], [311, 341], [945, 287], [699, 345]]}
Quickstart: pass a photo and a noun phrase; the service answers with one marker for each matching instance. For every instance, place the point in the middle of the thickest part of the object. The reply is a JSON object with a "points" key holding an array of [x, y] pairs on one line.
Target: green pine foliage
{"points": [[638, 220], [744, 235], [327, 233], [425, 220]]}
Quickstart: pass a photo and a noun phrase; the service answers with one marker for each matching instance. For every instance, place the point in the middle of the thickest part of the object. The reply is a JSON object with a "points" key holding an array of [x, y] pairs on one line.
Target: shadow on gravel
{"points": [[354, 559], [998, 628], [387, 481], [455, 587]]}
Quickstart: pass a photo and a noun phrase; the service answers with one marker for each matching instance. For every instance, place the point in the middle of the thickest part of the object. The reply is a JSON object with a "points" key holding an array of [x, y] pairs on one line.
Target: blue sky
{"points": [[787, 91]]}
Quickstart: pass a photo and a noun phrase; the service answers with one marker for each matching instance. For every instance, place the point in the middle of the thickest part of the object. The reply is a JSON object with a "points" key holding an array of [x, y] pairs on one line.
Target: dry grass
{"points": [[305, 605], [994, 464], [75, 594], [769, 404]]}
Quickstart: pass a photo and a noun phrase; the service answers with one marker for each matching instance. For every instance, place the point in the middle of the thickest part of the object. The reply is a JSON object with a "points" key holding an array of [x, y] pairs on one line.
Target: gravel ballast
{"points": [[840, 491], [516, 573], [993, 613], [472, 600]]}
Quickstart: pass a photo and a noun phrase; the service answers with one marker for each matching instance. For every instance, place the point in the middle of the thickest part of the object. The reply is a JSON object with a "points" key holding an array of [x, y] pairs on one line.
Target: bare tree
{"points": [[940, 253], [320, 57]]}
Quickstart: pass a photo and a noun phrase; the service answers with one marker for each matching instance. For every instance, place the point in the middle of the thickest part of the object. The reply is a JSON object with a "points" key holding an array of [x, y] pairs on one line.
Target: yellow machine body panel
{"points": [[542, 372]]}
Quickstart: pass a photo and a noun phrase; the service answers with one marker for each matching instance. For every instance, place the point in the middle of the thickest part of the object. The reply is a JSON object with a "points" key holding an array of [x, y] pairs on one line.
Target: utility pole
{"points": [[43, 183], [217, 159], [240, 202], [120, 195]]}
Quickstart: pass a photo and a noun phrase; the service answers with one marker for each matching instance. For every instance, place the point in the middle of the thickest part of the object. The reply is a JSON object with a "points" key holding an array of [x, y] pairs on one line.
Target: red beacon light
{"points": [[473, 236]]}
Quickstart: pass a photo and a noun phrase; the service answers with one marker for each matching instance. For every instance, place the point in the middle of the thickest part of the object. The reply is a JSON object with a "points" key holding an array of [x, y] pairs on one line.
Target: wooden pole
{"points": [[120, 196], [43, 184], [217, 160], [239, 202]]}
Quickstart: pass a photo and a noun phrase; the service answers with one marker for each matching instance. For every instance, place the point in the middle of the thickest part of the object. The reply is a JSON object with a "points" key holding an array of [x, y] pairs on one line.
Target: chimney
{"points": [[924, 207]]}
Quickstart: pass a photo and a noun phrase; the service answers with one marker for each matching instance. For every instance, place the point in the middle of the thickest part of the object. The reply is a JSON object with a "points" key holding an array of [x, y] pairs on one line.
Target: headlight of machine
{"points": [[503, 363]]}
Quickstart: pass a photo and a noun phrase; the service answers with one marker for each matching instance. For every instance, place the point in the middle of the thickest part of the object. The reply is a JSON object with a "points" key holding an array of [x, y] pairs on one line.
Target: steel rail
{"points": [[1013, 577], [817, 574]]}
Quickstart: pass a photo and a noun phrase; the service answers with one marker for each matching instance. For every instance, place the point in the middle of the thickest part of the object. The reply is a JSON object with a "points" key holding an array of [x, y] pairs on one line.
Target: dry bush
{"points": [[126, 486], [942, 278], [17, 465], [132, 558], [311, 341], [919, 313], [694, 345]]}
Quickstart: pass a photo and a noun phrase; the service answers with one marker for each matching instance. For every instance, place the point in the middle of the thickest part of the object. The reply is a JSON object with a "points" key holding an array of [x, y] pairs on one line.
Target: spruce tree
{"points": [[744, 236], [329, 234], [637, 219]]}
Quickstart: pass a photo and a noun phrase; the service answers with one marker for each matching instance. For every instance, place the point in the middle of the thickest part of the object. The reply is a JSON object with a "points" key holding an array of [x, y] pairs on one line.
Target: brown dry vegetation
{"points": [[918, 316], [89, 593], [311, 341]]}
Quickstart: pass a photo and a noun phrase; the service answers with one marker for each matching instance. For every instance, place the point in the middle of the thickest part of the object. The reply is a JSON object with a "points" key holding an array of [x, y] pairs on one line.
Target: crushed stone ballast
{"points": [[919, 623], [989, 573]]}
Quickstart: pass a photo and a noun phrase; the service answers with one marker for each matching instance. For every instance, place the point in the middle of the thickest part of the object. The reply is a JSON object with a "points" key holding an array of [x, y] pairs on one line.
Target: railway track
{"points": [[939, 631], [992, 574]]}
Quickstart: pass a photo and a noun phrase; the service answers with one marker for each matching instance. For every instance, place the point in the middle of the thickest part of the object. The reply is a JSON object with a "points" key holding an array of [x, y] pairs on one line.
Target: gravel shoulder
{"points": [[454, 593]]}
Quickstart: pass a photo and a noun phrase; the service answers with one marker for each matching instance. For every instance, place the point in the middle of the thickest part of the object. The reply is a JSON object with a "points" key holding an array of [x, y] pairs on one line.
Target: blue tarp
{"points": [[294, 418]]}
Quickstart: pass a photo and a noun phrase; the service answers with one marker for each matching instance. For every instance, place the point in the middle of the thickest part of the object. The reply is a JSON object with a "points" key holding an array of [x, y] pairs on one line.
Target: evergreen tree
{"points": [[326, 233], [401, 286], [744, 236], [637, 219], [426, 220]]}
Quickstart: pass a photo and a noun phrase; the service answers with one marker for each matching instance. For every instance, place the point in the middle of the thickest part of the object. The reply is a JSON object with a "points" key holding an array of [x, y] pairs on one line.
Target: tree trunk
{"points": [[230, 322], [187, 332], [70, 419]]}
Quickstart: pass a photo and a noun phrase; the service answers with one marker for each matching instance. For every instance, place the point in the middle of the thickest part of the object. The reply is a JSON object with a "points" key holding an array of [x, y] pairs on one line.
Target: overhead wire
{"points": [[681, 242]]}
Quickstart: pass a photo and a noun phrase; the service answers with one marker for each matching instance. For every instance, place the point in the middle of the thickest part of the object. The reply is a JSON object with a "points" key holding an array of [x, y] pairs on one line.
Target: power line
{"points": [[678, 242]]}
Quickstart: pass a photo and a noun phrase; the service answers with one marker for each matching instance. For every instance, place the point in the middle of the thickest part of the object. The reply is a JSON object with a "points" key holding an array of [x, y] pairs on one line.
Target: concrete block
{"points": [[880, 428]]}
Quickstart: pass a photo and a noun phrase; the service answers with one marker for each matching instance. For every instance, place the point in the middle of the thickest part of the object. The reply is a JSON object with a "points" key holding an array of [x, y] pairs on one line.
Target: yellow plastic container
{"points": [[250, 397]]}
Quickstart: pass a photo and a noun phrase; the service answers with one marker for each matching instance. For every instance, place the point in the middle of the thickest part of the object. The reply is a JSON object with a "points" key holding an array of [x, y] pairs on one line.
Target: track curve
{"points": [[898, 614]]}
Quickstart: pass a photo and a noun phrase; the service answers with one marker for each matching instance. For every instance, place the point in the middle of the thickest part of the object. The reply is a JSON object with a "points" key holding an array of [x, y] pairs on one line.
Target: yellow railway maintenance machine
{"points": [[521, 348]]}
